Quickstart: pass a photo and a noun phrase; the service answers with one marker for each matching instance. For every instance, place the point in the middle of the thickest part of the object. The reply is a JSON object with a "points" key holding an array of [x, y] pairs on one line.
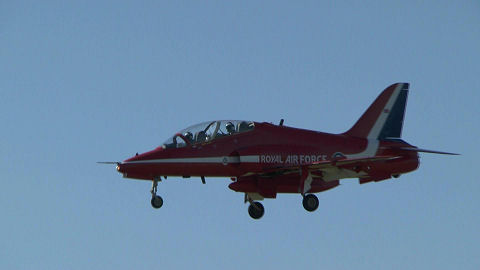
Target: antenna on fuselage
{"points": [[281, 122]]}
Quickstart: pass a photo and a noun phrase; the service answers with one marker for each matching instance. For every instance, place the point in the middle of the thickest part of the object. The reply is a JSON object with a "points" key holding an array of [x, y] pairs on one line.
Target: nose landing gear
{"points": [[156, 200]]}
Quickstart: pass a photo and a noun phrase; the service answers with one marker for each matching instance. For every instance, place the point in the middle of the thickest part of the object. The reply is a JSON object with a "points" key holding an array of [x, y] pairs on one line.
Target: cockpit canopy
{"points": [[207, 132]]}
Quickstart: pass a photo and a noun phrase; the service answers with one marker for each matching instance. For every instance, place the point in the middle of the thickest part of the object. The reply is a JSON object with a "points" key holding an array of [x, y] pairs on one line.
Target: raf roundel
{"points": [[225, 161]]}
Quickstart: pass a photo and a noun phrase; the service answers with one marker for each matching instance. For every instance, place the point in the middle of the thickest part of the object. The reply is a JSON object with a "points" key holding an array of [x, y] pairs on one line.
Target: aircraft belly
{"points": [[198, 169], [268, 187], [335, 173], [150, 170]]}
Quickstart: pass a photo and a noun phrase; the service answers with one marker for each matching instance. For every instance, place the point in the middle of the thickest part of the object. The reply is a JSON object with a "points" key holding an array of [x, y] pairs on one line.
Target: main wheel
{"points": [[156, 202], [310, 202], [256, 210]]}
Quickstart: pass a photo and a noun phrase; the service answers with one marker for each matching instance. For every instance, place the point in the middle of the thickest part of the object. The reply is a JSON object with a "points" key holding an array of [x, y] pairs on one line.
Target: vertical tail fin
{"points": [[384, 118]]}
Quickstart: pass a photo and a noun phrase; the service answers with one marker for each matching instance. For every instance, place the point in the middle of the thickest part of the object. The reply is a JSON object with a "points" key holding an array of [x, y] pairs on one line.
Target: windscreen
{"points": [[207, 132]]}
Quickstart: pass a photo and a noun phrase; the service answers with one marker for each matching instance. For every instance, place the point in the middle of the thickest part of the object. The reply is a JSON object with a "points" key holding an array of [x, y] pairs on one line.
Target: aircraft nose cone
{"points": [[121, 168]]}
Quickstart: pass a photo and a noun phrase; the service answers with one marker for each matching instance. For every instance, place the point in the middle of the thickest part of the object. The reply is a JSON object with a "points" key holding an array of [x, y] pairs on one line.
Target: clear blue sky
{"points": [[87, 81]]}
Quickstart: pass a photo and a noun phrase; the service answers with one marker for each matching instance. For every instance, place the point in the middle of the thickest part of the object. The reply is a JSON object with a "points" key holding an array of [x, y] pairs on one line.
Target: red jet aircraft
{"points": [[264, 159]]}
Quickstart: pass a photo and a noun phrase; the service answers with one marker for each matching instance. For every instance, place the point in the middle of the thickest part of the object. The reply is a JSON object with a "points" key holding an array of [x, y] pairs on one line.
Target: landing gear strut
{"points": [[156, 200], [310, 202], [255, 209]]}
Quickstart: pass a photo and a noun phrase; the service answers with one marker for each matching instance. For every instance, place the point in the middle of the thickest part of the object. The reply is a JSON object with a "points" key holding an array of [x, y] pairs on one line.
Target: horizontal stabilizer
{"points": [[108, 162], [427, 151]]}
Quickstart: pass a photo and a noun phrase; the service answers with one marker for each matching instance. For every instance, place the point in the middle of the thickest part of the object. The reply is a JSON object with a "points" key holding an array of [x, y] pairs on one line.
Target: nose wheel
{"points": [[156, 200]]}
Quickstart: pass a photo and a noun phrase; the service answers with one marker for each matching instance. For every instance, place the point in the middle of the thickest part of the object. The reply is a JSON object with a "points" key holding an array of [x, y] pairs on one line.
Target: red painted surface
{"points": [[267, 159], [272, 141], [366, 122]]}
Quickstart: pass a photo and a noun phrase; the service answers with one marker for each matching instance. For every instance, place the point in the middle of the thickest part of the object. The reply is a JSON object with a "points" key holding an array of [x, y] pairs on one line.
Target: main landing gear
{"points": [[310, 202], [156, 200], [255, 209]]}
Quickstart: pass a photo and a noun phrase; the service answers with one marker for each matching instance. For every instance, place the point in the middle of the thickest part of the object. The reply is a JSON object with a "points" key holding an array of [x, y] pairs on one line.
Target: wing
{"points": [[351, 162], [333, 168]]}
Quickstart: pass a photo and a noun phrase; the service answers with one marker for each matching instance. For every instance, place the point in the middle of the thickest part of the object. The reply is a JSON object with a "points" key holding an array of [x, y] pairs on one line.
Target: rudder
{"points": [[384, 118]]}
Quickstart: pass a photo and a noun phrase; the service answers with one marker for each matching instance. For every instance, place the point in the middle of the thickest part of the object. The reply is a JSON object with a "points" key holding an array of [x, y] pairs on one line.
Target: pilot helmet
{"points": [[230, 127], [188, 135]]}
